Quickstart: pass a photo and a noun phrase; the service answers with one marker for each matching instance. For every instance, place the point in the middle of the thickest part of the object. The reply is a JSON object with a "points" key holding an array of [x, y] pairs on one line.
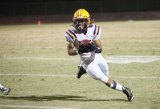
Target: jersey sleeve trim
{"points": [[71, 34], [96, 30]]}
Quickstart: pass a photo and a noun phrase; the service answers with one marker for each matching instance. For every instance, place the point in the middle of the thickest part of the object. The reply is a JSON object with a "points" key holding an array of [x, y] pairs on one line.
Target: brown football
{"points": [[85, 42]]}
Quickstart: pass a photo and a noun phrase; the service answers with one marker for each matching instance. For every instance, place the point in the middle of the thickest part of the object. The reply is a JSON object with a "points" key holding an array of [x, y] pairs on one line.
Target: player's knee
{"points": [[102, 78], [98, 77]]}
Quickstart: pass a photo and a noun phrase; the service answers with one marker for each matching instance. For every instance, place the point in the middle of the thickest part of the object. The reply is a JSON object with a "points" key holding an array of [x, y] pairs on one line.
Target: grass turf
{"points": [[41, 50]]}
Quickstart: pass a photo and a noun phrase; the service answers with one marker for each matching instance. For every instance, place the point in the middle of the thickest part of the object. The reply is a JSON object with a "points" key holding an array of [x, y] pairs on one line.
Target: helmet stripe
{"points": [[79, 13]]}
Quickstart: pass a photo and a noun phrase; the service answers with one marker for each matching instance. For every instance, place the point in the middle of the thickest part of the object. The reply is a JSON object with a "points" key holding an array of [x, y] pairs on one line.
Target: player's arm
{"points": [[71, 49], [98, 45]]}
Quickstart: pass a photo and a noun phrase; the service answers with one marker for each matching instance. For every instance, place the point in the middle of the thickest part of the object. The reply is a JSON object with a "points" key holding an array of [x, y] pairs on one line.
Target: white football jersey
{"points": [[93, 33]]}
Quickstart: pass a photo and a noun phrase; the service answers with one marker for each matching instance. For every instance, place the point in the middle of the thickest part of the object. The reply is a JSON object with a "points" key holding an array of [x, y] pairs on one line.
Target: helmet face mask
{"points": [[80, 25], [81, 20]]}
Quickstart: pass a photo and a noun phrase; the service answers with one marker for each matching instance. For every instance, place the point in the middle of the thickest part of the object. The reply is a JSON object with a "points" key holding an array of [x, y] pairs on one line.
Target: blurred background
{"points": [[29, 11]]}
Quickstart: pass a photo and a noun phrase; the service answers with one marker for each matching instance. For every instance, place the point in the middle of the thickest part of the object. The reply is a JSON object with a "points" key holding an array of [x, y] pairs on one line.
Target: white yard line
{"points": [[110, 59], [122, 48], [74, 76], [135, 77], [38, 75], [131, 59], [34, 58], [32, 107]]}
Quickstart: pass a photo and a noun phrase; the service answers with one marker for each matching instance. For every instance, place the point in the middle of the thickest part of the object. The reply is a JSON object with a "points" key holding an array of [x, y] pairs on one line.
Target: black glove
{"points": [[80, 49], [85, 49], [91, 47], [98, 50]]}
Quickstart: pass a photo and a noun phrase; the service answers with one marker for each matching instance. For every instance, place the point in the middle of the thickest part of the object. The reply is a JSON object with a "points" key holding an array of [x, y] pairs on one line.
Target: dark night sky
{"points": [[45, 7], [16, 1]]}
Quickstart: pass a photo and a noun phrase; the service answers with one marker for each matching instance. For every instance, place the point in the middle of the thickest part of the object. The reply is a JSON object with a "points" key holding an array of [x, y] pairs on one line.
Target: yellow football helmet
{"points": [[81, 20], [81, 14]]}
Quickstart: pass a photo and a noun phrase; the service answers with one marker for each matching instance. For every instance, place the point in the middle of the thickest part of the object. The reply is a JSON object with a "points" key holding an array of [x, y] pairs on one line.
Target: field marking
{"points": [[69, 76], [110, 59], [131, 59], [122, 48], [35, 58], [32, 107]]}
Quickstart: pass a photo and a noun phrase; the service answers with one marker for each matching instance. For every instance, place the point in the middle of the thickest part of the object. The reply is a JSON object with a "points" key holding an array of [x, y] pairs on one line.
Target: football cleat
{"points": [[81, 72], [5, 90], [129, 93]]}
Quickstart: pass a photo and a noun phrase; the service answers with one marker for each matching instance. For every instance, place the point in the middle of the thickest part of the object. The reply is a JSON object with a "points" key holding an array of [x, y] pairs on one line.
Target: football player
{"points": [[4, 89], [84, 40]]}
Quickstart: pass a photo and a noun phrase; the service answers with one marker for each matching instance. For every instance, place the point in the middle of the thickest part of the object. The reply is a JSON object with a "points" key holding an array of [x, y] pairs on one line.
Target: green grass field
{"points": [[34, 63]]}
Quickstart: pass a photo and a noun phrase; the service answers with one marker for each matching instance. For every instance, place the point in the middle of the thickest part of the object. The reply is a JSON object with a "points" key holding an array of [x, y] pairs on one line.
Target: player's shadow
{"points": [[56, 97]]}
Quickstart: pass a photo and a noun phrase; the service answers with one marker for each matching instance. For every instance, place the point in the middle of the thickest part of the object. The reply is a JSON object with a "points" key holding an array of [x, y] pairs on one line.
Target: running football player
{"points": [[84, 40]]}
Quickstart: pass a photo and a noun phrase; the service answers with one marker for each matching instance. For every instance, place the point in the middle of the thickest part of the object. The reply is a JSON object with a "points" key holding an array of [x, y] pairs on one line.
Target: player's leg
{"points": [[115, 85], [102, 63], [95, 72], [4, 89], [104, 68]]}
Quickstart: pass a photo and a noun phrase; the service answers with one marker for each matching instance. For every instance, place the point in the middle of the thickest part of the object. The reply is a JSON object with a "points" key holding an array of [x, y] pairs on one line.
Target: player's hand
{"points": [[91, 47], [86, 48], [81, 49]]}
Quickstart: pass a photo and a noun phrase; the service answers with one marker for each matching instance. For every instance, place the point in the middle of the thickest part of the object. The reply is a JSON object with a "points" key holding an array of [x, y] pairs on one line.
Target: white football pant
{"points": [[98, 68]]}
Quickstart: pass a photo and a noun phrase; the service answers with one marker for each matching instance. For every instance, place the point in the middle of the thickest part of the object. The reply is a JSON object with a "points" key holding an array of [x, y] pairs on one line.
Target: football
{"points": [[85, 42]]}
